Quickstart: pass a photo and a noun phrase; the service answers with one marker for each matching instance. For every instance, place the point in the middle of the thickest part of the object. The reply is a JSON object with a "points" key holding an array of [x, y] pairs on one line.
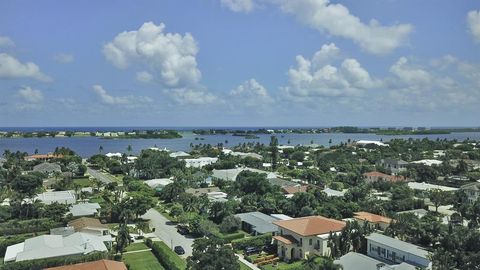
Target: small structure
{"points": [[96, 265], [84, 209], [244, 155], [91, 226], [63, 197], [289, 191], [428, 162], [395, 251], [393, 165], [231, 174], [257, 223], [377, 221], [197, 192], [472, 191], [112, 155], [417, 212], [51, 246], [298, 237], [48, 168]]}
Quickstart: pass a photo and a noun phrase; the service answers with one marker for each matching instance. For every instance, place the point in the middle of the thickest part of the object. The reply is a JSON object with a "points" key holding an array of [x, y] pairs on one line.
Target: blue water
{"points": [[87, 146]]}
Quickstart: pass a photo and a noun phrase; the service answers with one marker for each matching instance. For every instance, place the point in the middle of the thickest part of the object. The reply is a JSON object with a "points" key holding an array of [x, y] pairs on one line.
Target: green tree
{"points": [[123, 238], [211, 254], [274, 151]]}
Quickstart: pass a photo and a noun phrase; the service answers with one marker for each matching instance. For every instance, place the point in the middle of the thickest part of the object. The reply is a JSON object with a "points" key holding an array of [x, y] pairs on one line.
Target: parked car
{"points": [[179, 250], [182, 230], [251, 250]]}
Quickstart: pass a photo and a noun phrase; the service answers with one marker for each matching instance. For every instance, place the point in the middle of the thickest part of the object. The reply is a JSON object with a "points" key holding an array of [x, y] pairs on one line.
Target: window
{"points": [[310, 241], [301, 241]]}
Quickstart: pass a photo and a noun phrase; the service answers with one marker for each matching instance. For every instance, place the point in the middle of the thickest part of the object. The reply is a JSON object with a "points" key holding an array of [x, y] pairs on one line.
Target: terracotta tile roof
{"points": [[84, 222], [385, 177], [312, 225], [96, 265], [295, 189], [286, 239], [371, 217], [44, 156]]}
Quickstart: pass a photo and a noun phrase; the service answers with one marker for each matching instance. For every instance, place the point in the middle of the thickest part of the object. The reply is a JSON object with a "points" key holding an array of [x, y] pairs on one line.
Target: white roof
{"points": [[48, 246], [243, 155], [153, 183], [231, 174], [426, 186], [179, 154], [365, 142], [84, 209], [281, 216], [66, 197], [333, 193], [113, 155], [428, 162]]}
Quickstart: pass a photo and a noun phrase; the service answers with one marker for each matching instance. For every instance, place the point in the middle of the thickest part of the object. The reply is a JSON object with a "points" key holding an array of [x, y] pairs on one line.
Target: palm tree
{"points": [[129, 149], [310, 263], [123, 238], [100, 149]]}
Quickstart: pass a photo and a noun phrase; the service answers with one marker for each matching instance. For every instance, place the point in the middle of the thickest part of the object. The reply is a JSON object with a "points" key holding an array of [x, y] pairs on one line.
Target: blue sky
{"points": [[240, 63]]}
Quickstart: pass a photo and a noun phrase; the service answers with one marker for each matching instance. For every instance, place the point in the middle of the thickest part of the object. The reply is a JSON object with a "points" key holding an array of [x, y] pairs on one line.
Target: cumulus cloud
{"points": [[171, 57], [473, 22], [251, 93], [127, 101], [239, 5], [30, 95], [6, 42], [144, 76], [186, 96], [320, 77], [64, 58], [410, 74], [11, 68]]}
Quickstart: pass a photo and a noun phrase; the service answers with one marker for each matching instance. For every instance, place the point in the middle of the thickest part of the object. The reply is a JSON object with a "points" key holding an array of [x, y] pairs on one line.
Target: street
{"points": [[98, 175], [168, 233]]}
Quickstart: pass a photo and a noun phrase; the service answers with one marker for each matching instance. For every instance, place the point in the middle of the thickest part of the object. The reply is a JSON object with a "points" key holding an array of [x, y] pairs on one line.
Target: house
{"points": [[91, 226], [393, 165], [63, 197], [84, 209], [395, 251], [376, 221], [356, 261], [428, 162], [197, 192], [371, 177], [48, 168], [96, 265], [427, 187], [51, 246], [417, 212], [289, 191], [46, 157], [333, 193], [217, 196], [257, 223], [111, 155], [179, 154], [158, 184], [472, 191], [199, 162], [363, 143], [231, 174], [244, 155], [298, 237]]}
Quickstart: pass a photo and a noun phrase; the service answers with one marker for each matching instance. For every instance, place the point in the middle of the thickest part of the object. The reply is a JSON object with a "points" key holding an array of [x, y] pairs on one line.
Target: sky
{"points": [[240, 63]]}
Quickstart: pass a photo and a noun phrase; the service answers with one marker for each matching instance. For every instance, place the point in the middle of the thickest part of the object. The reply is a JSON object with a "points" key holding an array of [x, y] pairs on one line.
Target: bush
{"points": [[230, 237], [167, 258], [28, 226], [52, 262], [256, 241]]}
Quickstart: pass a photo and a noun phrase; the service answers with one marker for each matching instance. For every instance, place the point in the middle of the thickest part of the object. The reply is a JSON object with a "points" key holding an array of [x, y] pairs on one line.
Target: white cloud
{"points": [[239, 5], [127, 101], [250, 93], [6, 42], [30, 95], [473, 21], [170, 56], [319, 77], [336, 20], [186, 96], [144, 76], [410, 74], [64, 58], [11, 68]]}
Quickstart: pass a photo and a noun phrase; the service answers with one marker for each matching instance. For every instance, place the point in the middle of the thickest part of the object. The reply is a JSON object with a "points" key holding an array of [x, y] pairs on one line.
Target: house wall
{"points": [[395, 256], [305, 245], [377, 225]]}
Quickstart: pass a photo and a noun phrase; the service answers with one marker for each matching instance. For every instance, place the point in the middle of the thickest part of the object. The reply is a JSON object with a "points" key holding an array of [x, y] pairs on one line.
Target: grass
{"points": [[243, 266], [96, 199], [136, 246], [83, 182], [282, 266], [142, 261], [161, 209]]}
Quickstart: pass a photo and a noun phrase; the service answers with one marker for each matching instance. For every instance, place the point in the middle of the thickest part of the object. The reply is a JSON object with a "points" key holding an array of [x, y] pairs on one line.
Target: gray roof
{"points": [[398, 244], [355, 261], [47, 167], [282, 182], [260, 222], [84, 209], [394, 161], [471, 186]]}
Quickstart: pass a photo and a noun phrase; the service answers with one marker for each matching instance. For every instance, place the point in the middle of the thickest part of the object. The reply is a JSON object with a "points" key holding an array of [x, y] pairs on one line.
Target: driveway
{"points": [[168, 232], [100, 176]]}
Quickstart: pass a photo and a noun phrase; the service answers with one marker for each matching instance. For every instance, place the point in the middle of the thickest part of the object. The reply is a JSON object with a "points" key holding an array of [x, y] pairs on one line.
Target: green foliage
{"points": [[210, 253], [52, 262], [156, 164], [230, 224], [254, 241], [27, 226], [169, 259]]}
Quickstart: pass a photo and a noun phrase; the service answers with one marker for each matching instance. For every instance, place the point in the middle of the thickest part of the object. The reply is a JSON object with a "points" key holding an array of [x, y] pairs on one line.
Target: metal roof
{"points": [[398, 244]]}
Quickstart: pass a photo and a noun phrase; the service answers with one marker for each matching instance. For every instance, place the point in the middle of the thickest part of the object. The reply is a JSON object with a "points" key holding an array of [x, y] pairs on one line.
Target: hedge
{"points": [[230, 237], [52, 262], [255, 241], [28, 226], [167, 258]]}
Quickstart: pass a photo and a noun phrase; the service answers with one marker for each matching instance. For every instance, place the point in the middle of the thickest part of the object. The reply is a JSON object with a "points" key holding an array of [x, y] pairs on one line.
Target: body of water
{"points": [[88, 146]]}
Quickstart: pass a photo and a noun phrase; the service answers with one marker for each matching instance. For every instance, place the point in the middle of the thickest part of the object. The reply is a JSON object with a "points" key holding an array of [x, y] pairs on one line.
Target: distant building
{"points": [[363, 143], [299, 237], [63, 197], [371, 177], [393, 165], [417, 212], [472, 191], [333, 193], [197, 192], [257, 223], [376, 221], [179, 154], [427, 187], [48, 168], [199, 162], [428, 162], [51, 246], [158, 184], [96, 265], [46, 157], [395, 251], [111, 155], [231, 174]]}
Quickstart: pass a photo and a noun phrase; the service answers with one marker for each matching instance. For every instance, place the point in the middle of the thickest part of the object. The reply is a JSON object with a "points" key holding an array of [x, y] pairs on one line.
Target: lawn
{"points": [[142, 261], [243, 266], [136, 246], [83, 182], [282, 266]]}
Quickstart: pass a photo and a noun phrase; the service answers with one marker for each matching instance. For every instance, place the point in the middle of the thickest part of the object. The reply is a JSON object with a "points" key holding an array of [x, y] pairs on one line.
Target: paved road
{"points": [[168, 233], [100, 176]]}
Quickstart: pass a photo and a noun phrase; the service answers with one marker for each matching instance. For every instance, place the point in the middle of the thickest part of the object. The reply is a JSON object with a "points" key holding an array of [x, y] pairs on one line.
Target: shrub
{"points": [[167, 258], [255, 241], [230, 237]]}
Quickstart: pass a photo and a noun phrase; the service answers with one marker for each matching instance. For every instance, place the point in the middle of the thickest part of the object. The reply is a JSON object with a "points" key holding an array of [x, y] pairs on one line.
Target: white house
{"points": [[395, 251], [199, 162], [63, 197], [298, 237], [472, 191], [426, 186], [84, 209]]}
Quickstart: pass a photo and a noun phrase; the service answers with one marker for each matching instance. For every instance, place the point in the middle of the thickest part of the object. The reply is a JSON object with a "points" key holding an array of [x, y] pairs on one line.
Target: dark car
{"points": [[179, 250], [251, 250], [182, 230]]}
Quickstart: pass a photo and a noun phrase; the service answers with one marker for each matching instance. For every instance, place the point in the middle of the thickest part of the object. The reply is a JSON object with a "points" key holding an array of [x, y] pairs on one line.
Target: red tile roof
{"points": [[385, 177], [294, 189], [96, 265], [312, 225], [373, 218], [286, 239]]}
